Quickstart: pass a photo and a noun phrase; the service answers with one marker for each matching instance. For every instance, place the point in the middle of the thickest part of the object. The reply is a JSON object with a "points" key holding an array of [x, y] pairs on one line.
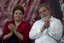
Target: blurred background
{"points": [[30, 8]]}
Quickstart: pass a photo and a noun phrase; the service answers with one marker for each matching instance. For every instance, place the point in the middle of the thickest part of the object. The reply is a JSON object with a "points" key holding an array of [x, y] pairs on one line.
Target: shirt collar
{"points": [[51, 19]]}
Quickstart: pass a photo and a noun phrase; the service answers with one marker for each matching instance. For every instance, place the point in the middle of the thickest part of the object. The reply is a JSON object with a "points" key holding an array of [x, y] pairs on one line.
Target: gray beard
{"points": [[44, 18]]}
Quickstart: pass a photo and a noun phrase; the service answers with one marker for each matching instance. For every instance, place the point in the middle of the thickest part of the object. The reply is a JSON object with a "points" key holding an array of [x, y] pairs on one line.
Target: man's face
{"points": [[44, 13]]}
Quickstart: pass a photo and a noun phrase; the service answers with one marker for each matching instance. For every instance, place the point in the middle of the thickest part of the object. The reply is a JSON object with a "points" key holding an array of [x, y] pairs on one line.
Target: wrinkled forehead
{"points": [[43, 8], [43, 5]]}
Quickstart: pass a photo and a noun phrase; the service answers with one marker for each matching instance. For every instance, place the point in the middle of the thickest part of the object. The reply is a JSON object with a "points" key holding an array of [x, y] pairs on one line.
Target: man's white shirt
{"points": [[55, 30]]}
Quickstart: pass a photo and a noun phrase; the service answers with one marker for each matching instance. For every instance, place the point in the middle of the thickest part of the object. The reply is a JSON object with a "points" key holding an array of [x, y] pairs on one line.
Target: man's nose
{"points": [[43, 12]]}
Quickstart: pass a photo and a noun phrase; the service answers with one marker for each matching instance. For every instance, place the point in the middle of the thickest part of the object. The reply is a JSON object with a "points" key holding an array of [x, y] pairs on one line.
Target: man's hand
{"points": [[46, 25]]}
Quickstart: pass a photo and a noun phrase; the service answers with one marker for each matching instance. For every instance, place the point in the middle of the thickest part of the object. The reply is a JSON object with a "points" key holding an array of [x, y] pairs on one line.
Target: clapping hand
{"points": [[12, 27], [47, 22]]}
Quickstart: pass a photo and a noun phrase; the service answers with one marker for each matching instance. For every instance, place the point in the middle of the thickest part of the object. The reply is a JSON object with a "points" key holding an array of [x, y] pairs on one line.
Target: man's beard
{"points": [[45, 17]]}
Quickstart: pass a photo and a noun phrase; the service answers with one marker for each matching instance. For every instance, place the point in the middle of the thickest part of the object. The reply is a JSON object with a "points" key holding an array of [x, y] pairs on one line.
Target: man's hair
{"points": [[43, 5], [17, 7]]}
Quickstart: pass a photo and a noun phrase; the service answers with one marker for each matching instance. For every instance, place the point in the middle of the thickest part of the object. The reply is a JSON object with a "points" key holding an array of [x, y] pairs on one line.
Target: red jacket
{"points": [[23, 28]]}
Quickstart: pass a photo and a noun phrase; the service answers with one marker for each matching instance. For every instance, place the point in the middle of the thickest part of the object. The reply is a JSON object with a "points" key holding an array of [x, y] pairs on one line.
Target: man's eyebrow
{"points": [[44, 10]]}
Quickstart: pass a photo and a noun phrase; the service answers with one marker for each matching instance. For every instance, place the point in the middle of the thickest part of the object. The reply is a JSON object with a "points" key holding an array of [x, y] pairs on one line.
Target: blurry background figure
{"points": [[0, 35], [62, 9], [62, 41], [0, 32]]}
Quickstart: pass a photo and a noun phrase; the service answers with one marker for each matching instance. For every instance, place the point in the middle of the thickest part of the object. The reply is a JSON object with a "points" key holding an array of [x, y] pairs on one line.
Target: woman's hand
{"points": [[12, 28]]}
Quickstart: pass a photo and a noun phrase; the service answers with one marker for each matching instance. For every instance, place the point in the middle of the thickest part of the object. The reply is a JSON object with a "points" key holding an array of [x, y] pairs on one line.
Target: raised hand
{"points": [[47, 23], [12, 27]]}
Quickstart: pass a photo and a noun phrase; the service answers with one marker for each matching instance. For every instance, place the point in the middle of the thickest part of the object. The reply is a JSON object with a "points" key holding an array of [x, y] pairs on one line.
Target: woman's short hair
{"points": [[18, 7]]}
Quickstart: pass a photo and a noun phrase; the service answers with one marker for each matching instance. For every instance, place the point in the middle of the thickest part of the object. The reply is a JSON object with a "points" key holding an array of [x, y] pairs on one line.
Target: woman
{"points": [[17, 30]]}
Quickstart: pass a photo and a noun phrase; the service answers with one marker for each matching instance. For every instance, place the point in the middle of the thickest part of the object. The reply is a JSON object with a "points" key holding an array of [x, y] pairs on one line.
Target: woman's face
{"points": [[18, 15]]}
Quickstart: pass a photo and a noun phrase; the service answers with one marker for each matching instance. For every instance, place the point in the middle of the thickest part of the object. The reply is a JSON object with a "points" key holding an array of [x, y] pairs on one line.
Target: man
{"points": [[48, 29]]}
